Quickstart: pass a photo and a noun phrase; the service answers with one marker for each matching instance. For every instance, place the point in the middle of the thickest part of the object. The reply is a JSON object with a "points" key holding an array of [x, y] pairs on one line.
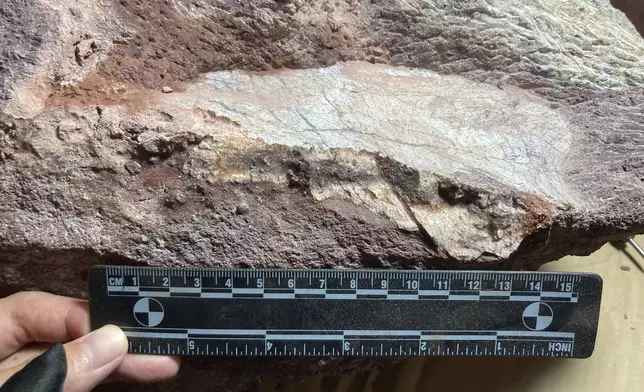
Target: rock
{"points": [[384, 134], [242, 209], [166, 90], [175, 199], [83, 50], [7, 125], [133, 167]]}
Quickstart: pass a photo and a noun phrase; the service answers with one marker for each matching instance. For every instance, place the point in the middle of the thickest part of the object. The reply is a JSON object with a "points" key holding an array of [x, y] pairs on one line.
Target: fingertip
{"points": [[92, 358], [147, 368]]}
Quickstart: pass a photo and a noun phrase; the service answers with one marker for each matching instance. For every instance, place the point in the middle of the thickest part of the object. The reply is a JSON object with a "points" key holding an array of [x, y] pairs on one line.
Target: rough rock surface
{"points": [[296, 133]]}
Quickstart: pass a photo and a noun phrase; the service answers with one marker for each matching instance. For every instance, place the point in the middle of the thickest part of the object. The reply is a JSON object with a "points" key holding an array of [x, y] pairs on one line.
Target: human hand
{"points": [[36, 317]]}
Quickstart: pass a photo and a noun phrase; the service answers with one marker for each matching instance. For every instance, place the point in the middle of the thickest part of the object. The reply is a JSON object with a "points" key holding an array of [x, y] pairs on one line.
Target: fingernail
{"points": [[105, 345]]}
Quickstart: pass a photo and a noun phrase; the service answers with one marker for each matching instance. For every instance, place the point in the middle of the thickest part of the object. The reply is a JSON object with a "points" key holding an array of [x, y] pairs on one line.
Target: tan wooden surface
{"points": [[616, 365]]}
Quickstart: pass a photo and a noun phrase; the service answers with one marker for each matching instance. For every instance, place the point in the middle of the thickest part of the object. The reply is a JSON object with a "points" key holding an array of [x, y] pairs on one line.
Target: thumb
{"points": [[92, 358]]}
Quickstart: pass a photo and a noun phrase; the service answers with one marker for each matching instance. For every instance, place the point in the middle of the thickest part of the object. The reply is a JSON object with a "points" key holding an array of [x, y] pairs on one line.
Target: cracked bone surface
{"points": [[310, 134]]}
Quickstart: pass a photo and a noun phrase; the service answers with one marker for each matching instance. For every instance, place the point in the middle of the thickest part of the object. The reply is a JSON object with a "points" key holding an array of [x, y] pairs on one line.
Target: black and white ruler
{"points": [[251, 312]]}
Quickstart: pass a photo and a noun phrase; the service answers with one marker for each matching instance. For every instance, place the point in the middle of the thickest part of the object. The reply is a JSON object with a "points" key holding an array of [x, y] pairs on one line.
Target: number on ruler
{"points": [[504, 285], [383, 284], [423, 346], [352, 283], [412, 284], [134, 280], [229, 283], [191, 345], [269, 345], [197, 282], [322, 283], [442, 284], [565, 286], [474, 284], [291, 283], [260, 283], [346, 346], [166, 281], [535, 286]]}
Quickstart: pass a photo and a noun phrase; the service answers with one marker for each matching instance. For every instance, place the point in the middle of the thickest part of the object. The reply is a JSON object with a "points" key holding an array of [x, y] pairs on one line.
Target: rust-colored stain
{"points": [[539, 212], [171, 45]]}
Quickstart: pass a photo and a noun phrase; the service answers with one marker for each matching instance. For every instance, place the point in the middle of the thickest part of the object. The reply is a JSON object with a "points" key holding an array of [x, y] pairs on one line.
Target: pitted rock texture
{"points": [[260, 133]]}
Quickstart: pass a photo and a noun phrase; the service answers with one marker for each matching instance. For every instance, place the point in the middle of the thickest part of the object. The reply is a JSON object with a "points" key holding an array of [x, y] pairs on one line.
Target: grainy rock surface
{"points": [[260, 133]]}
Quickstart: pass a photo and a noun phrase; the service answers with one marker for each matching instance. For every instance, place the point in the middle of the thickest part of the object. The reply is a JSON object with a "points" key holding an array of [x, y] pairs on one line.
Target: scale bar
{"points": [[344, 312]]}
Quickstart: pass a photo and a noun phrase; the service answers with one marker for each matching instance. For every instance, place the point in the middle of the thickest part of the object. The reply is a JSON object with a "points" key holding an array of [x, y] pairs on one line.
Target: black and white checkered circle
{"points": [[537, 316], [148, 312]]}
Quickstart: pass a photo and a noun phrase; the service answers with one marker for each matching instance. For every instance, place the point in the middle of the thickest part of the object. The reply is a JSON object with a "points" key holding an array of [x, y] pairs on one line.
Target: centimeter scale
{"points": [[292, 313]]}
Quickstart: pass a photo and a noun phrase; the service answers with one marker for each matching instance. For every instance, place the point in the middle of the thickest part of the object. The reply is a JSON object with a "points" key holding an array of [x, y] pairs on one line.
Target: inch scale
{"points": [[269, 312]]}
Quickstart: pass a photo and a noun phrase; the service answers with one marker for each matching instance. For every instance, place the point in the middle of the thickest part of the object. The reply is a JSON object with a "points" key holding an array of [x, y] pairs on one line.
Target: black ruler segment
{"points": [[257, 312]]}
